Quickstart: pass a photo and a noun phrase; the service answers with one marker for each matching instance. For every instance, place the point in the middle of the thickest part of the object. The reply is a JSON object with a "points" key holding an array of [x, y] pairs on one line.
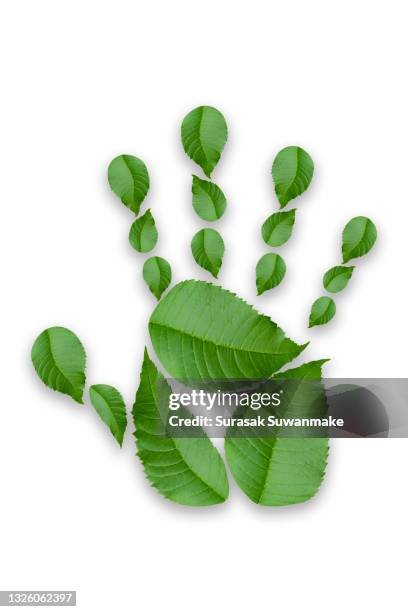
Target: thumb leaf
{"points": [[59, 360]]}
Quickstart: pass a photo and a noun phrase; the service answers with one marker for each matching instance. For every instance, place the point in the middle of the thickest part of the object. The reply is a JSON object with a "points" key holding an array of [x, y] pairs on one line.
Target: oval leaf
{"points": [[323, 310], [209, 202], [59, 360], [129, 180], [292, 172], [204, 133], [188, 471], [277, 228], [203, 332], [143, 233], [278, 471], [157, 275], [208, 248], [270, 271], [110, 406], [337, 278], [359, 236]]}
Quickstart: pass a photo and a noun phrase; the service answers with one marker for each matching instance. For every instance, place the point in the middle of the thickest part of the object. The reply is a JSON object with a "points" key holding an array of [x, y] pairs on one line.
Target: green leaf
{"points": [[277, 228], [204, 133], [157, 275], [278, 471], [203, 332], [337, 278], [143, 233], [188, 471], [129, 180], [209, 202], [270, 271], [323, 310], [59, 360], [207, 247], [110, 406], [292, 172], [359, 236]]}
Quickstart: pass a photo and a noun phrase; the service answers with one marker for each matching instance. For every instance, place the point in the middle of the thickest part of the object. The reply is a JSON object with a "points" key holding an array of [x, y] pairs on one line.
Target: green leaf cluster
{"points": [[292, 173], [59, 359], [358, 238], [129, 180], [201, 332], [204, 134]]}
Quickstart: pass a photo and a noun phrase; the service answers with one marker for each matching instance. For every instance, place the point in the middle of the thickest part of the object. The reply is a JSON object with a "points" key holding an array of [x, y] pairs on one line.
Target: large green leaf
{"points": [[188, 471], [359, 236], [109, 404], [292, 172], [278, 471], [209, 201], [157, 275], [277, 228], [129, 180], [322, 311], [143, 233], [59, 360], [203, 332], [270, 271], [337, 278], [207, 247], [204, 133]]}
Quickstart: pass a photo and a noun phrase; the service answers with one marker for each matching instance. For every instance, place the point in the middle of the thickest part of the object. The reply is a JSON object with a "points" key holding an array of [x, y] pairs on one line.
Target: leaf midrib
{"points": [[220, 345], [296, 174], [272, 447]]}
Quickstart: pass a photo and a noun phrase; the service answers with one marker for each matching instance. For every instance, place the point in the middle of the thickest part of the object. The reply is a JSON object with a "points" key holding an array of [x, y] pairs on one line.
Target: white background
{"points": [[85, 81]]}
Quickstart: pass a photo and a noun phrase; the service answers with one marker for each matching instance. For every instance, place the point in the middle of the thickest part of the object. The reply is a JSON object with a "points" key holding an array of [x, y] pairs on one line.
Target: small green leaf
{"points": [[323, 310], [59, 360], [337, 278], [129, 180], [110, 406], [277, 229], [188, 471], [292, 172], [208, 248], [204, 133], [157, 275], [143, 233], [359, 236], [209, 202], [270, 271], [202, 332]]}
